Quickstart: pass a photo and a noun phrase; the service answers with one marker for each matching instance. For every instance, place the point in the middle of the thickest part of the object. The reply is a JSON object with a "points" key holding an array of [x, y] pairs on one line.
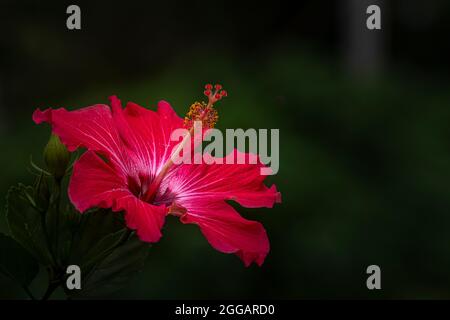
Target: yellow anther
{"points": [[200, 111]]}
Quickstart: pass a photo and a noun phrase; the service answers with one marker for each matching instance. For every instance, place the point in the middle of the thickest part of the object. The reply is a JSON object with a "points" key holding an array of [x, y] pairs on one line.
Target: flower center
{"points": [[138, 185], [199, 111]]}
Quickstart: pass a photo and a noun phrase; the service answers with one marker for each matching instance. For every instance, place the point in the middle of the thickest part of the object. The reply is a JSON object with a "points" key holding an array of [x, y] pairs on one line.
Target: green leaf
{"points": [[25, 223], [68, 226], [93, 226], [55, 224], [114, 271], [101, 250], [16, 262]]}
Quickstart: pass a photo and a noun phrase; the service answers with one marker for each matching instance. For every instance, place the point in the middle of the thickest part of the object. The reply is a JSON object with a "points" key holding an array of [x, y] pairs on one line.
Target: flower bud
{"points": [[56, 157]]}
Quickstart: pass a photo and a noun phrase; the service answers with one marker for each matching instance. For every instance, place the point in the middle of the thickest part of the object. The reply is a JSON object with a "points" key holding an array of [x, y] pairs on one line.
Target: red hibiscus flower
{"points": [[127, 167]]}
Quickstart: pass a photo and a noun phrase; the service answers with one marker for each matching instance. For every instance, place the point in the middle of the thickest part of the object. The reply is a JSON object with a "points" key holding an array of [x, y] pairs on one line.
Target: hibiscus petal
{"points": [[95, 183], [202, 190], [152, 131], [147, 219], [92, 127], [242, 183], [228, 232]]}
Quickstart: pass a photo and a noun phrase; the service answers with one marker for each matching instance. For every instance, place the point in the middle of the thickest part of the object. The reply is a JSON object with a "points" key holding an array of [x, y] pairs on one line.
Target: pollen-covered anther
{"points": [[200, 111]]}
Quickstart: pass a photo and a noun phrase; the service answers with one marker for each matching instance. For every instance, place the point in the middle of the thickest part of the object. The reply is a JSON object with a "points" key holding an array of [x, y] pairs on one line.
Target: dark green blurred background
{"points": [[363, 117]]}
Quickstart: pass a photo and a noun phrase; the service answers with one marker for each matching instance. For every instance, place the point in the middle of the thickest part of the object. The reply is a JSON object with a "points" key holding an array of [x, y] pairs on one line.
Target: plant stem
{"points": [[50, 289], [58, 184], [28, 292]]}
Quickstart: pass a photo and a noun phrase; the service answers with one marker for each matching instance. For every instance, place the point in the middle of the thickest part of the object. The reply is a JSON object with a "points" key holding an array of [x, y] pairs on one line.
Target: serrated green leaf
{"points": [[25, 223], [101, 250], [93, 226], [114, 271], [16, 262], [67, 229]]}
